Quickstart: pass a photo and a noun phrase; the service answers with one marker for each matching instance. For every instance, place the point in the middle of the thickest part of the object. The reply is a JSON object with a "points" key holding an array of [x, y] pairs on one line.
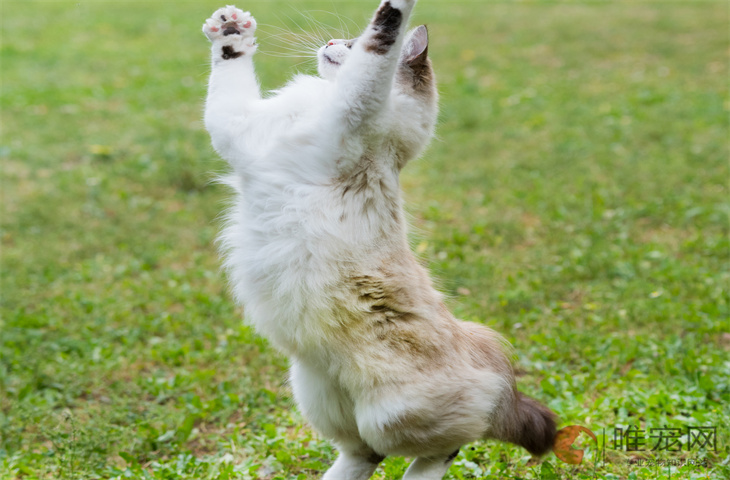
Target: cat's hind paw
{"points": [[230, 26]]}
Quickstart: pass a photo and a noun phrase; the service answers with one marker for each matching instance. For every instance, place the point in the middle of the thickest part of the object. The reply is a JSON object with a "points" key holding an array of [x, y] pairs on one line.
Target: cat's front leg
{"points": [[366, 79], [230, 30], [233, 86]]}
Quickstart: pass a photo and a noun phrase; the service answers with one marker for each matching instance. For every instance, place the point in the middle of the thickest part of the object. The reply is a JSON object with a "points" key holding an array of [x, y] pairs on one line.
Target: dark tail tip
{"points": [[534, 427]]}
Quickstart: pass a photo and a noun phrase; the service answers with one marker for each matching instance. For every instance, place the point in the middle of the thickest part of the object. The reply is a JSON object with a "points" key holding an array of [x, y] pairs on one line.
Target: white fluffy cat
{"points": [[316, 251]]}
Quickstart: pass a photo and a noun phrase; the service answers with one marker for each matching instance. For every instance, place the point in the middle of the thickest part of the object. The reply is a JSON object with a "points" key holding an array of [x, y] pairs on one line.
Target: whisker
{"points": [[300, 63], [287, 43], [309, 34], [343, 27]]}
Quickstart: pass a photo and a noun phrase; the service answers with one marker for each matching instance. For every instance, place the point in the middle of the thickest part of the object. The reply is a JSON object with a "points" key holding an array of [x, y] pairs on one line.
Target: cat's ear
{"points": [[415, 51]]}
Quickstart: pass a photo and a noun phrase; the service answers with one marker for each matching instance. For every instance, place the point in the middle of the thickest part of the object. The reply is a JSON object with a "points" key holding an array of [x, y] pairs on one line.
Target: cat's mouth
{"points": [[329, 60]]}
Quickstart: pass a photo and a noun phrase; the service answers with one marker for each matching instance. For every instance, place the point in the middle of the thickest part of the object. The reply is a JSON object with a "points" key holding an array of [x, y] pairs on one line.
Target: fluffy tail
{"points": [[530, 425]]}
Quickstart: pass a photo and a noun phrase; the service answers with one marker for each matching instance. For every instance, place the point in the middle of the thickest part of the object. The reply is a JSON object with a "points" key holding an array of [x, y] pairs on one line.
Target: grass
{"points": [[575, 200]]}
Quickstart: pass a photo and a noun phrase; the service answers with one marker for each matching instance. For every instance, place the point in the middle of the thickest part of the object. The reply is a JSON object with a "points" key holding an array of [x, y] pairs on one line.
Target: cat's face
{"points": [[414, 56], [331, 56]]}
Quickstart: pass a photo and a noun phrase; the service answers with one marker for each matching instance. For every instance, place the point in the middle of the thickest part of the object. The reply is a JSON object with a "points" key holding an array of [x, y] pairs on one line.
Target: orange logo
{"points": [[563, 444]]}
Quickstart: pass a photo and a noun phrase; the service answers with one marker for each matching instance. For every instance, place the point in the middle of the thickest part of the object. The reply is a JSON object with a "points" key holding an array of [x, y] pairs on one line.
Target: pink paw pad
{"points": [[247, 24]]}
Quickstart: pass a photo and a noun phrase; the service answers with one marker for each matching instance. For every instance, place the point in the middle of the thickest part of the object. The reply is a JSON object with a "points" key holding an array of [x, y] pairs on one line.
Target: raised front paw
{"points": [[230, 26]]}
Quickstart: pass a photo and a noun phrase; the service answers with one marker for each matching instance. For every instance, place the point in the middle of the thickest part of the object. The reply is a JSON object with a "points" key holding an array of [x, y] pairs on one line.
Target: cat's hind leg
{"points": [[329, 409], [431, 468], [355, 462], [233, 86]]}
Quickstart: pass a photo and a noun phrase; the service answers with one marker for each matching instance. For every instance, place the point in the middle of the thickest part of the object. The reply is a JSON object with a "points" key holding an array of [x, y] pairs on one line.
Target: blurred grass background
{"points": [[575, 200]]}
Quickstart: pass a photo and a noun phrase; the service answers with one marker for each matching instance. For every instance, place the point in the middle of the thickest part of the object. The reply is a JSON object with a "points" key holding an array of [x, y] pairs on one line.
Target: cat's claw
{"points": [[231, 26]]}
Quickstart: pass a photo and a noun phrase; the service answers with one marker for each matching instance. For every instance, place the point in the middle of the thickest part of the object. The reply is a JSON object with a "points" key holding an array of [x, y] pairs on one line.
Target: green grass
{"points": [[575, 200]]}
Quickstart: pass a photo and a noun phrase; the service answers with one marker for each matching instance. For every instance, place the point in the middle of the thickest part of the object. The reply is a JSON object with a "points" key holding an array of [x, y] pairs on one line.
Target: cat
{"points": [[317, 253]]}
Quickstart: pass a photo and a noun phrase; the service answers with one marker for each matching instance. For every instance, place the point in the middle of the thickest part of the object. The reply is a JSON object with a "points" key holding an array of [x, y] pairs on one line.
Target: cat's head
{"points": [[333, 55]]}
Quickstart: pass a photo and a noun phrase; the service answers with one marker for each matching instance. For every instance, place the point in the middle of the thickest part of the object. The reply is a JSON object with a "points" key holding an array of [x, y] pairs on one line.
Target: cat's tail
{"points": [[529, 424]]}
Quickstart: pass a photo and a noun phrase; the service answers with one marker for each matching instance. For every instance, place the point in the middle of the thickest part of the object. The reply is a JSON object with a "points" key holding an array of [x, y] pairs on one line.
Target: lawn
{"points": [[575, 199]]}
